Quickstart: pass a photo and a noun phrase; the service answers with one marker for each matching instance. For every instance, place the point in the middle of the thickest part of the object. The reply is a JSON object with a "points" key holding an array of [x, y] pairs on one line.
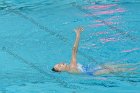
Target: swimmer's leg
{"points": [[123, 69], [120, 65], [102, 72], [127, 64], [113, 70], [75, 47]]}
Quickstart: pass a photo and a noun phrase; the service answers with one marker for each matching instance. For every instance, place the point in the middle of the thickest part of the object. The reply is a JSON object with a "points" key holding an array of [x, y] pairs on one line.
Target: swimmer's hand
{"points": [[79, 29]]}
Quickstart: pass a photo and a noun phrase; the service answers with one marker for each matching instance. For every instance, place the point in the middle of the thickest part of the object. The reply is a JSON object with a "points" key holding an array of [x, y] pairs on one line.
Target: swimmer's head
{"points": [[59, 67]]}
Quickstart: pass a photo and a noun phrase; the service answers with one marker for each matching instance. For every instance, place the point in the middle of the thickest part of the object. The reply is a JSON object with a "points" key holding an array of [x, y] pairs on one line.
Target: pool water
{"points": [[37, 34]]}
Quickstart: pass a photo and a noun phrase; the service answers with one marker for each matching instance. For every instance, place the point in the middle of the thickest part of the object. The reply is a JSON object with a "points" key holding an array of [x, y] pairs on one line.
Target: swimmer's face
{"points": [[60, 67]]}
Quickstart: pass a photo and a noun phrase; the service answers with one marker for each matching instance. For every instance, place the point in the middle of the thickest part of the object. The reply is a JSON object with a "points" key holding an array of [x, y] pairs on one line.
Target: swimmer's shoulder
{"points": [[74, 70]]}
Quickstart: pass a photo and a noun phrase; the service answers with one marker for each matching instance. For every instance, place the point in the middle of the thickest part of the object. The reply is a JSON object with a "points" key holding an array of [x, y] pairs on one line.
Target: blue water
{"points": [[37, 34]]}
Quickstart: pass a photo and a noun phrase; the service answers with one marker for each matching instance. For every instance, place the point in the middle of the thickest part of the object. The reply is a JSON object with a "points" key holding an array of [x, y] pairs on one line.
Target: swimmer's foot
{"points": [[78, 30]]}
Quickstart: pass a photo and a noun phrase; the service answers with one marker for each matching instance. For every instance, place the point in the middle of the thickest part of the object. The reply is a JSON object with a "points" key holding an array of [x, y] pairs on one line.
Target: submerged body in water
{"points": [[104, 69], [75, 67]]}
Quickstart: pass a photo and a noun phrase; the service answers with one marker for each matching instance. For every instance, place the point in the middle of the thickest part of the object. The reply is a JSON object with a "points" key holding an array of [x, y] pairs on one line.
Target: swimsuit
{"points": [[87, 69]]}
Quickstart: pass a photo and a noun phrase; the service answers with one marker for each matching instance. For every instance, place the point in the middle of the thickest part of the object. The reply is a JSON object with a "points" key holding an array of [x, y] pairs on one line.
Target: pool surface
{"points": [[37, 34]]}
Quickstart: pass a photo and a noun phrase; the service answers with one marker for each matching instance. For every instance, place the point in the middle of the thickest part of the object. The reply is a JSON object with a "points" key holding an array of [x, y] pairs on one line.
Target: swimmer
{"points": [[75, 67]]}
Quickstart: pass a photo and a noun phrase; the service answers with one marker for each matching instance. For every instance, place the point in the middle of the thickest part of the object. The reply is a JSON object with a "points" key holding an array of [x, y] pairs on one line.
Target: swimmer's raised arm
{"points": [[75, 47]]}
